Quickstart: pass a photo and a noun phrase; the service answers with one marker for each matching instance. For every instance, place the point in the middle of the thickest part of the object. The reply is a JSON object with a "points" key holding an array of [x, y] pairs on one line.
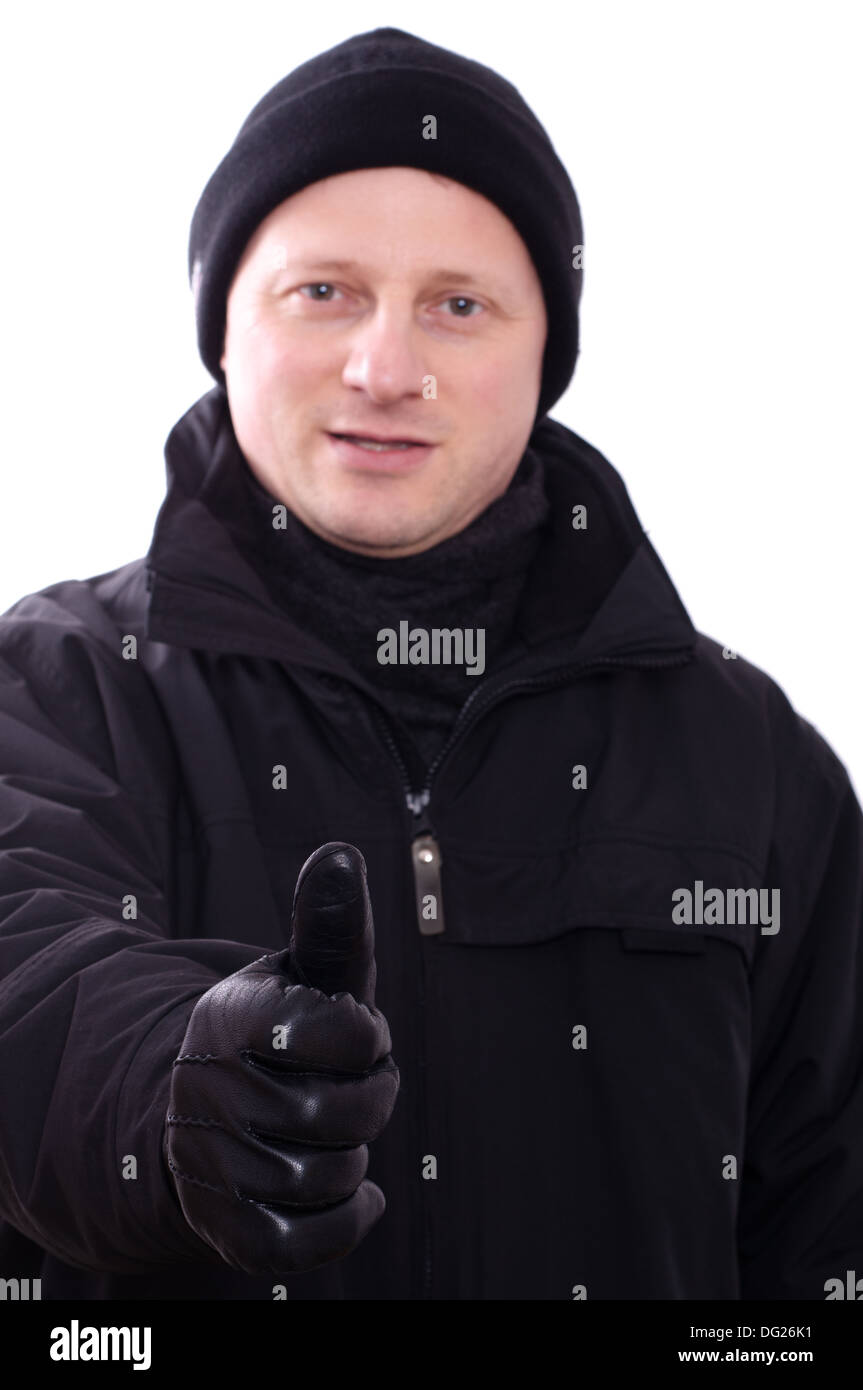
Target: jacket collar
{"points": [[595, 593]]}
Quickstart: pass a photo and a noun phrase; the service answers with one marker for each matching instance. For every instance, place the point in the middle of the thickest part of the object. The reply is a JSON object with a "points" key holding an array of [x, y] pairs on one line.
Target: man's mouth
{"points": [[377, 444]]}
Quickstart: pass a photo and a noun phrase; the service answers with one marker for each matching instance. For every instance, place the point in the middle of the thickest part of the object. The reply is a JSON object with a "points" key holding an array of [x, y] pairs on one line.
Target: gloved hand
{"points": [[283, 1079]]}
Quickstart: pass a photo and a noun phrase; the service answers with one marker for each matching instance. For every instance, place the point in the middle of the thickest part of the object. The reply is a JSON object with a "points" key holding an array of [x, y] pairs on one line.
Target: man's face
{"points": [[434, 331]]}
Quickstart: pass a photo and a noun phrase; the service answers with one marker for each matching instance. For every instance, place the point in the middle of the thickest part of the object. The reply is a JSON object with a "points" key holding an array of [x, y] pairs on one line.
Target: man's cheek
{"points": [[495, 388]]}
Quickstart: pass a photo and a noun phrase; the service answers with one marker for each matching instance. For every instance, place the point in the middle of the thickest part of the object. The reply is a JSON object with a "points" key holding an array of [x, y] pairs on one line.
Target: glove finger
{"points": [[266, 1014], [245, 1166], [332, 931], [323, 1032], [260, 1238], [305, 1107]]}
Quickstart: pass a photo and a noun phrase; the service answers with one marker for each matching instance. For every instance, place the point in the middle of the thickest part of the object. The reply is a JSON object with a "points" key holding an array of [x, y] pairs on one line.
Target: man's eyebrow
{"points": [[464, 277]]}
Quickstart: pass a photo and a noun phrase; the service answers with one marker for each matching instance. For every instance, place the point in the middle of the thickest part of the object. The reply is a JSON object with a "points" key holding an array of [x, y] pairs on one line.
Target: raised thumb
{"points": [[332, 930]]}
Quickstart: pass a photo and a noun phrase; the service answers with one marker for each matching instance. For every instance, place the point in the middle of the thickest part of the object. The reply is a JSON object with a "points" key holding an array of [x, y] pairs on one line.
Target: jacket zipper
{"points": [[425, 850]]}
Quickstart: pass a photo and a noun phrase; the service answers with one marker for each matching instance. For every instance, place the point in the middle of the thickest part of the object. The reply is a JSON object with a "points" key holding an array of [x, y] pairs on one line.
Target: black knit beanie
{"points": [[366, 104]]}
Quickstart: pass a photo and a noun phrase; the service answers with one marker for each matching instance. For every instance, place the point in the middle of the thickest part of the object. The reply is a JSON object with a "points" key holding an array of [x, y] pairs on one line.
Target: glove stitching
{"points": [[198, 1182]]}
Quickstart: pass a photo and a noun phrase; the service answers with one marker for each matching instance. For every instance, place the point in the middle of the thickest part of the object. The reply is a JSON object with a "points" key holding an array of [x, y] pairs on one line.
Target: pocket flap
{"points": [[655, 939]]}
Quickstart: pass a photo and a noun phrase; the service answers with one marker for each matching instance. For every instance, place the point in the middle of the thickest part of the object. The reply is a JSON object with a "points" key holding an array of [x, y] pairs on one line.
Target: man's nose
{"points": [[385, 357]]}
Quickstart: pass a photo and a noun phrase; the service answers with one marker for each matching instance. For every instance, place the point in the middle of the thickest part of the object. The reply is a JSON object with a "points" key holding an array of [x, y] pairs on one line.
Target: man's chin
{"points": [[383, 540]]}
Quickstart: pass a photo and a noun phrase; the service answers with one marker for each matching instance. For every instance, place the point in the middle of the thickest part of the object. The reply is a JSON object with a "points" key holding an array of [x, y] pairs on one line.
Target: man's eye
{"points": [[317, 285], [463, 299]]}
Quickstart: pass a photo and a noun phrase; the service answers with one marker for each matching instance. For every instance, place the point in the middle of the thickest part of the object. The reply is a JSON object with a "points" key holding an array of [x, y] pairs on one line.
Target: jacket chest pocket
{"points": [[653, 899]]}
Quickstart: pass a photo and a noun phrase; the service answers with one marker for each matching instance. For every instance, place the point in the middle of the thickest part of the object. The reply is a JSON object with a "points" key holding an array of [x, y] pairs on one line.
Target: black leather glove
{"points": [[283, 1079]]}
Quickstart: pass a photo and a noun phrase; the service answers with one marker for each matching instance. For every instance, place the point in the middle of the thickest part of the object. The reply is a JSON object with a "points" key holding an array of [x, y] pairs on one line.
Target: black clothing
{"points": [[158, 798]]}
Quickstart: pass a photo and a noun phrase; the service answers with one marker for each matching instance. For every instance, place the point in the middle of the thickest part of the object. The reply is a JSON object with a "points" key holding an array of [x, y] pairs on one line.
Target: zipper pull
{"points": [[426, 855]]}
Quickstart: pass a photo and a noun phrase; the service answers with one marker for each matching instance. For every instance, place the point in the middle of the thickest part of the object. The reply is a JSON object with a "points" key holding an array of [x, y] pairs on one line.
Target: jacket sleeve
{"points": [[95, 994], [801, 1202]]}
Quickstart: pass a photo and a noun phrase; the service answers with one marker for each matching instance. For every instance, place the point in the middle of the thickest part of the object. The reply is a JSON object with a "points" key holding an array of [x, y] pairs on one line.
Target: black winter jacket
{"points": [[620, 1104]]}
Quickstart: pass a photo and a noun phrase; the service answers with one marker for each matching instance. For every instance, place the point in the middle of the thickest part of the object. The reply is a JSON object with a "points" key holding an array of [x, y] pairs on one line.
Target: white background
{"points": [[715, 150]]}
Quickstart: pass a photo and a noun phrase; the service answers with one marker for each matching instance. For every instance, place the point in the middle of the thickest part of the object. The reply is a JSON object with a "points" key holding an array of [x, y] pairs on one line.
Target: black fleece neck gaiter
{"points": [[473, 580]]}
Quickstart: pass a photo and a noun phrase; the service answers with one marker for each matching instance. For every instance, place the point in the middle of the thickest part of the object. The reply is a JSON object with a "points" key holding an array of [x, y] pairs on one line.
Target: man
{"points": [[400, 899]]}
